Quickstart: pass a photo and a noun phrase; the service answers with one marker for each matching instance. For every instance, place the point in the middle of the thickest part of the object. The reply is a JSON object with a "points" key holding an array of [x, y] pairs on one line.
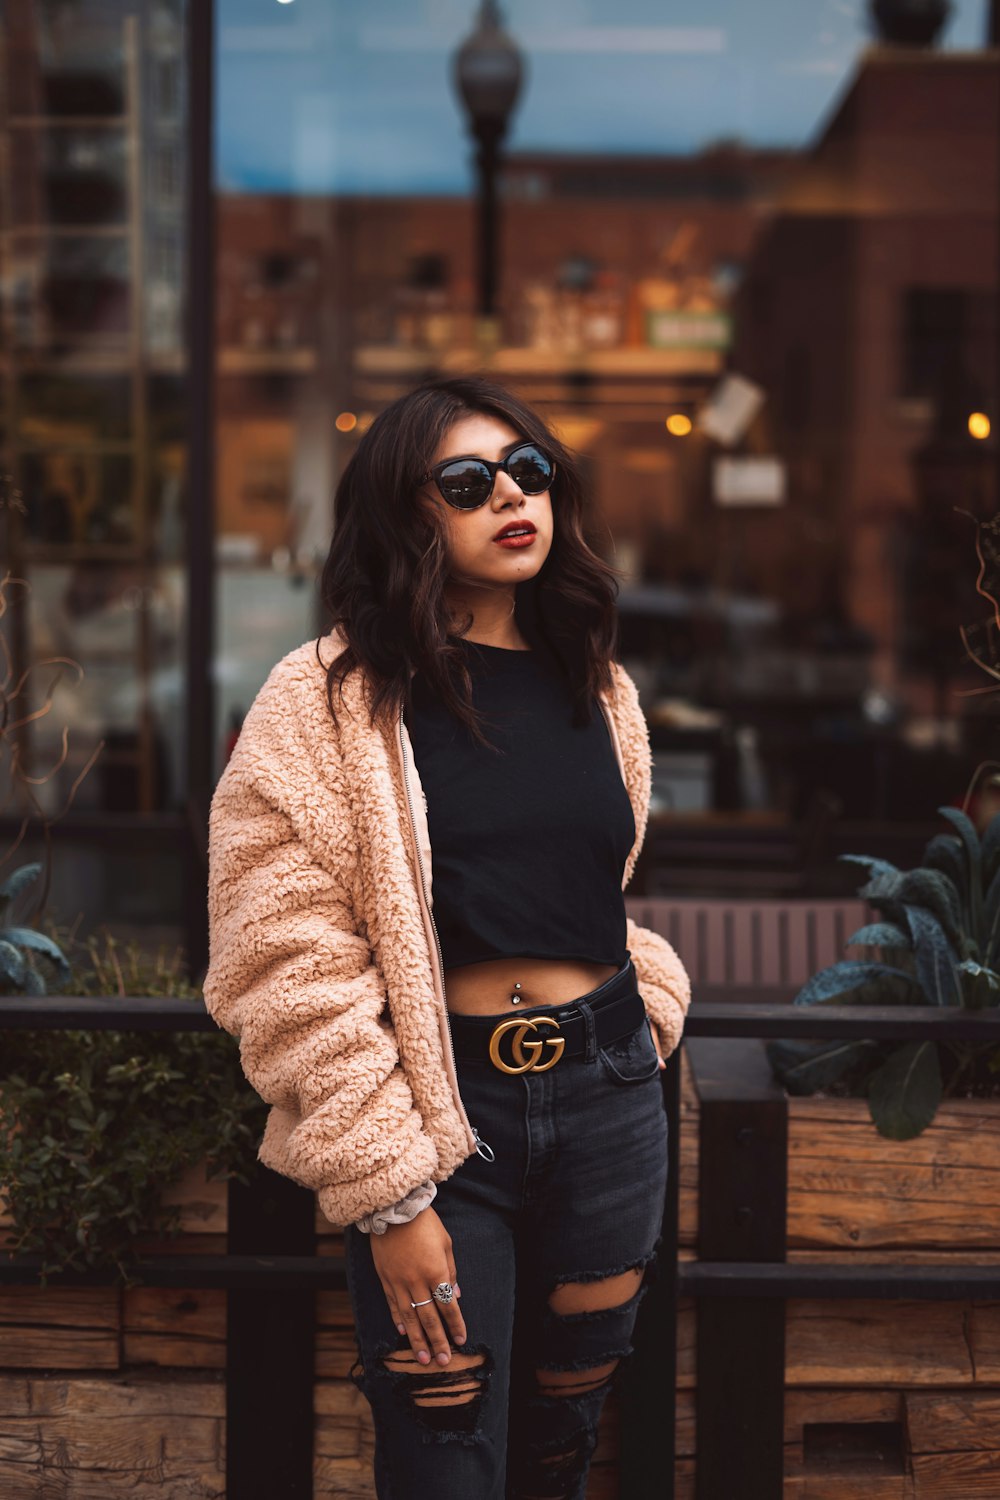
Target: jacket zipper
{"points": [[613, 736], [487, 1151]]}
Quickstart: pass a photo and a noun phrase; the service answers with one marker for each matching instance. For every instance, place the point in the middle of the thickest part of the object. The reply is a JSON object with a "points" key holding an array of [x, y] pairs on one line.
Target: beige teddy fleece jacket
{"points": [[323, 958]]}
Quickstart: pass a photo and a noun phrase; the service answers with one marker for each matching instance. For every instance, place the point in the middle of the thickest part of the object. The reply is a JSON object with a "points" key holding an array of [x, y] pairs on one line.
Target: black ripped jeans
{"points": [[573, 1198]]}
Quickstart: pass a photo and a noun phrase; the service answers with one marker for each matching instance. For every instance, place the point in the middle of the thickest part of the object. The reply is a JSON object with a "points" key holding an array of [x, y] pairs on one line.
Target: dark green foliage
{"points": [[18, 975], [937, 943], [94, 1125]]}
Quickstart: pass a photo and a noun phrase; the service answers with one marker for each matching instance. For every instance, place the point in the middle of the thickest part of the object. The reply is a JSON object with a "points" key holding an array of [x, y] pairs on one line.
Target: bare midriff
{"points": [[485, 989]]}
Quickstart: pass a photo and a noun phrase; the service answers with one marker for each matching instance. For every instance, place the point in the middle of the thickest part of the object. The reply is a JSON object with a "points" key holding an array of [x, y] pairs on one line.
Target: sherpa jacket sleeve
{"points": [[663, 980], [292, 976]]}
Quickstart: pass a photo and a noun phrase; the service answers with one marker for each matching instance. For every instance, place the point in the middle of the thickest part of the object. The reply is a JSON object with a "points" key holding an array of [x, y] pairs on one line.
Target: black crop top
{"points": [[529, 845]]}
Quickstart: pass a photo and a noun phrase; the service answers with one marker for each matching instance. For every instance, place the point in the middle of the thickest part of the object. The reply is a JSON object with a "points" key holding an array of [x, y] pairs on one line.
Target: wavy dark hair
{"points": [[384, 577]]}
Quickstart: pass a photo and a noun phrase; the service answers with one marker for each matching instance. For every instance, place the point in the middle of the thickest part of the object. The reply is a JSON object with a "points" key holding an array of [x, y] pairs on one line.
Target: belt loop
{"points": [[590, 1054]]}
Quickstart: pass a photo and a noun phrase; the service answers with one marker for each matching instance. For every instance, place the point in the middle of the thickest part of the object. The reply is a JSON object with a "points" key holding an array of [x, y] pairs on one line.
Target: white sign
{"points": [[754, 480]]}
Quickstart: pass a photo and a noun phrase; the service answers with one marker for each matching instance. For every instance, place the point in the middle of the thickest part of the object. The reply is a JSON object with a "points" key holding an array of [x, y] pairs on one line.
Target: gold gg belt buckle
{"points": [[518, 1045]]}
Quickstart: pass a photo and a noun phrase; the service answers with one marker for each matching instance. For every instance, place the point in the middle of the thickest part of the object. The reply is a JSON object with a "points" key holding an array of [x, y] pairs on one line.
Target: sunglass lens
{"points": [[530, 469], [465, 483]]}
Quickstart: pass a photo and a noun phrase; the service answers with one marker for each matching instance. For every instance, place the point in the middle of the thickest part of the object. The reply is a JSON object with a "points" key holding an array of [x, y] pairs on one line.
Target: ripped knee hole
{"points": [[596, 1296], [455, 1384], [567, 1383]]}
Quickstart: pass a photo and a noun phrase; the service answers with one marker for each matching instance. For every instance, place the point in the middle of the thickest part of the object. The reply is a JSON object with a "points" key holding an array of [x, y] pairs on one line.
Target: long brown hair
{"points": [[384, 577]]}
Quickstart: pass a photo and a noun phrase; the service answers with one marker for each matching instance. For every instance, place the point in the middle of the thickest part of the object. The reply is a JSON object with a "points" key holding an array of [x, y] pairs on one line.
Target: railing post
{"points": [[648, 1407], [740, 1341], [270, 1347]]}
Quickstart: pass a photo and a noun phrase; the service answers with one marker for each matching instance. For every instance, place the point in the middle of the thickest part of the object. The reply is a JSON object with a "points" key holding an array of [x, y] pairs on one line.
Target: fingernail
{"points": [[443, 1358], [401, 1327], [423, 1356], [460, 1338]]}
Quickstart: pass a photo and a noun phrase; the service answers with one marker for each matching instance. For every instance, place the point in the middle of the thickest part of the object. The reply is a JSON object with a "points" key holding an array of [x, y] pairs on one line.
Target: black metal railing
{"points": [[741, 1281]]}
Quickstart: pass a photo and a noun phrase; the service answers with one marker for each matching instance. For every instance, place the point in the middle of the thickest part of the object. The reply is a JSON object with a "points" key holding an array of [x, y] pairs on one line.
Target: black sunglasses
{"points": [[466, 483]]}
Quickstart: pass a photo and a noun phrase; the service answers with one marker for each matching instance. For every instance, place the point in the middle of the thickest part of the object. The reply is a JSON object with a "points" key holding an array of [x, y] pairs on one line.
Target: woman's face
{"points": [[475, 554]]}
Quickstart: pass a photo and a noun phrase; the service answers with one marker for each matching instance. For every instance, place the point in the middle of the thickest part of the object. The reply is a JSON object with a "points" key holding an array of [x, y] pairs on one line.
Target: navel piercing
{"points": [[516, 999]]}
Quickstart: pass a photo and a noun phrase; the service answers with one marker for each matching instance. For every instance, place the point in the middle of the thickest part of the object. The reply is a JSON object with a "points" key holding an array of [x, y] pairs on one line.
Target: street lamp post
{"points": [[488, 72]]}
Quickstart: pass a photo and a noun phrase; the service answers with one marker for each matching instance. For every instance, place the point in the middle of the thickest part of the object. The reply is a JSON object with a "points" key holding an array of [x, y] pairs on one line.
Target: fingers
{"points": [[413, 1327], [429, 1326], [426, 1332]]}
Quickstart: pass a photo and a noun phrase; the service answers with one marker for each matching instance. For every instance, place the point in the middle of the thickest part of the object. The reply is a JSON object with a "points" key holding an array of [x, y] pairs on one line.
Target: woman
{"points": [[418, 852]]}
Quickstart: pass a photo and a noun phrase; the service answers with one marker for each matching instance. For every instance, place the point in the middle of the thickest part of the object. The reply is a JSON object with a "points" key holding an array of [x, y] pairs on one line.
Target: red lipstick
{"points": [[516, 534]]}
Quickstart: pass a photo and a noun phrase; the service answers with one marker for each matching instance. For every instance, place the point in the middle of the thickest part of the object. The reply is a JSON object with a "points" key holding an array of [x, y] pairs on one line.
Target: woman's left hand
{"points": [[657, 1044]]}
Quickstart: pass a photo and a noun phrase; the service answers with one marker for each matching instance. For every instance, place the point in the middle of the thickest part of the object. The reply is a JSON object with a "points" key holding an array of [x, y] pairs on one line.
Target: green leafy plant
{"points": [[939, 944], [95, 1124], [17, 975]]}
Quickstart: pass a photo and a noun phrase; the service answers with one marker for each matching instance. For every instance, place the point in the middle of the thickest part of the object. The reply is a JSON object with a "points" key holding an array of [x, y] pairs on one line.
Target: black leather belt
{"points": [[540, 1036]]}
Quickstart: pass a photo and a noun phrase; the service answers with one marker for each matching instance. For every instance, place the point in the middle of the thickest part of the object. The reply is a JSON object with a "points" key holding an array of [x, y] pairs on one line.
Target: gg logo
{"points": [[519, 1046]]}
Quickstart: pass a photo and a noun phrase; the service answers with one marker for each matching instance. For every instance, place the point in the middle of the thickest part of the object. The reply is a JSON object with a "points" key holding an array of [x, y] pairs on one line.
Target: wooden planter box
{"points": [[105, 1391], [883, 1398]]}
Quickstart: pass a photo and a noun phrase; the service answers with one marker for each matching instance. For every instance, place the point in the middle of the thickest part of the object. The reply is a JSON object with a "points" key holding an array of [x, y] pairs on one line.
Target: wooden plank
{"points": [[687, 1327], [203, 1203], [943, 1421], [165, 1326], [689, 1156], [342, 1479], [67, 1328], [91, 1441], [335, 1353], [117, 1395], [984, 1339], [837, 1342], [905, 1256], [850, 1186], [833, 1404], [956, 1476], [90, 1438], [193, 1482], [801, 1484], [95, 1308]]}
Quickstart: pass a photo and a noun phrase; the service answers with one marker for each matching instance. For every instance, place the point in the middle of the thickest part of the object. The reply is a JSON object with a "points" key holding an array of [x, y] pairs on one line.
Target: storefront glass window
{"points": [[93, 426], [745, 261]]}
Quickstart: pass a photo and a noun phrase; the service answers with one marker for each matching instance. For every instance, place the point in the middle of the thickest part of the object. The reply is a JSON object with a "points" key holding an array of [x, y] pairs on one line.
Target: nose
{"points": [[506, 492]]}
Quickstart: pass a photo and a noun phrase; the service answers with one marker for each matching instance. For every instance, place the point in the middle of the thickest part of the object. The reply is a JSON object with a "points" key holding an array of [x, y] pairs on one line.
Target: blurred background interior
{"points": [[743, 258]]}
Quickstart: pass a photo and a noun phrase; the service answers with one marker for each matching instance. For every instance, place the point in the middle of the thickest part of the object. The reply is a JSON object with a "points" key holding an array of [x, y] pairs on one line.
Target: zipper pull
{"points": [[485, 1151]]}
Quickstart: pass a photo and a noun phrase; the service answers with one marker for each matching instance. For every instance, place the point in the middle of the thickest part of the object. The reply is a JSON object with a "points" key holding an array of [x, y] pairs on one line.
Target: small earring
{"points": [[516, 999]]}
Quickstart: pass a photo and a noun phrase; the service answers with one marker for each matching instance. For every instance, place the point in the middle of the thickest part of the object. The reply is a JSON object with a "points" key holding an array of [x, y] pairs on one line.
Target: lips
{"points": [[520, 529]]}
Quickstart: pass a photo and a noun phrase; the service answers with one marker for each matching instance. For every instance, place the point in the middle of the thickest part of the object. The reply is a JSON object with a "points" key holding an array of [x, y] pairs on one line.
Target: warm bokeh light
{"points": [[979, 424], [346, 422], [678, 424]]}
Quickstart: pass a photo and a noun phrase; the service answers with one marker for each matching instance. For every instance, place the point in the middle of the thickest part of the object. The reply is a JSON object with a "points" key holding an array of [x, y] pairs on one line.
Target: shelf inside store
{"points": [[64, 554], [60, 231], [96, 449], [235, 359], [67, 122], [93, 362], [639, 363], [231, 360]]}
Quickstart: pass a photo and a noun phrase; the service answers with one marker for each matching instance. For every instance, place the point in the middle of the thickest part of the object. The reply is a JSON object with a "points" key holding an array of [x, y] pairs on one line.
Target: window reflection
{"points": [[767, 340], [746, 266], [93, 144]]}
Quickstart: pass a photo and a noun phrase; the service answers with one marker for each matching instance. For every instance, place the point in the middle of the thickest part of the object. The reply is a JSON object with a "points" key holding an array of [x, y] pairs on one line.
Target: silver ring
{"points": [[443, 1292], [421, 1304]]}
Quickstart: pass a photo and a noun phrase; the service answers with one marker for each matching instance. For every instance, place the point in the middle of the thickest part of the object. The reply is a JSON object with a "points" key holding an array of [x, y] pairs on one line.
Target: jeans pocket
{"points": [[632, 1058]]}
